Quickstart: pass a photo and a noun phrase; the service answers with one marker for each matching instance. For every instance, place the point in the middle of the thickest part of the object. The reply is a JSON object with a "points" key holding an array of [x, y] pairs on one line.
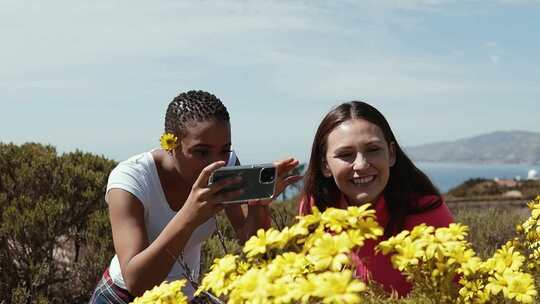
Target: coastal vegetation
{"points": [[56, 232]]}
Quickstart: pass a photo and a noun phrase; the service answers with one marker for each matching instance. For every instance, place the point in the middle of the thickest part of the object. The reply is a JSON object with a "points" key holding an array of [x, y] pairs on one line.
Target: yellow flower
{"points": [[252, 287], [408, 253], [457, 253], [514, 285], [306, 287], [309, 219], [338, 287], [356, 214], [166, 293], [335, 219], [330, 251], [521, 287], [473, 291], [421, 231], [471, 266], [535, 208], [506, 257], [218, 278], [370, 228], [296, 231], [389, 245], [311, 239], [168, 141], [263, 241], [287, 264]]}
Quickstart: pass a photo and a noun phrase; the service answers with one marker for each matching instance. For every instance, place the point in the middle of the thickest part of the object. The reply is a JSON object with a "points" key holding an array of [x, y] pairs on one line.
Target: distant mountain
{"points": [[508, 147]]}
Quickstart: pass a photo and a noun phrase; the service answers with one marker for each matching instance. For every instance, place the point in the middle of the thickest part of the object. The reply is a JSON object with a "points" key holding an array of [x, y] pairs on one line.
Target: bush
{"points": [[54, 223], [490, 228]]}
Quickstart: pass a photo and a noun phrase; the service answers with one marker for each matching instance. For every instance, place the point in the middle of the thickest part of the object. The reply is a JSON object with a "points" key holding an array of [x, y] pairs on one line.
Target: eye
{"points": [[344, 155], [374, 149], [201, 153]]}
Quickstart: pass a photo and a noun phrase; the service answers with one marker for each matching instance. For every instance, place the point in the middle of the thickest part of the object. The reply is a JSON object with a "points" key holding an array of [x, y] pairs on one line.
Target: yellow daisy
{"points": [[168, 141]]}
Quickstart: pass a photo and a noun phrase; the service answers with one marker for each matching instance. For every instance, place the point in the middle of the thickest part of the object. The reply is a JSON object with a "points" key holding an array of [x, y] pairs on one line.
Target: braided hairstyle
{"points": [[193, 106]]}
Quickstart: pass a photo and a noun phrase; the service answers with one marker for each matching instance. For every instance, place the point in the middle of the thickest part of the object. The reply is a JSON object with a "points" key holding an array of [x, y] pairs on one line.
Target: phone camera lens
{"points": [[267, 175]]}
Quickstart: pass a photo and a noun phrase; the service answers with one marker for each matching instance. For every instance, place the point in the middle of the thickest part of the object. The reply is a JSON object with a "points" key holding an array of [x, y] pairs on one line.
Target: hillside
{"points": [[495, 189], [506, 147]]}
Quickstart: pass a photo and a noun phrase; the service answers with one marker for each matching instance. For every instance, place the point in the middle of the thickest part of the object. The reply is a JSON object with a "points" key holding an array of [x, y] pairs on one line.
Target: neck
{"points": [[171, 171], [175, 187]]}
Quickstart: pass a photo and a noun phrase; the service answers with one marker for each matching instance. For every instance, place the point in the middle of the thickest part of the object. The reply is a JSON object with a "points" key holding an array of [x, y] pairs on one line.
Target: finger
{"points": [[202, 180], [287, 182], [291, 180], [284, 167], [284, 162]]}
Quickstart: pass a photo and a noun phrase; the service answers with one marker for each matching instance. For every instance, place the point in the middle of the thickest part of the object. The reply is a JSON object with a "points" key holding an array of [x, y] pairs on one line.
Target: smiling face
{"points": [[204, 142], [358, 158]]}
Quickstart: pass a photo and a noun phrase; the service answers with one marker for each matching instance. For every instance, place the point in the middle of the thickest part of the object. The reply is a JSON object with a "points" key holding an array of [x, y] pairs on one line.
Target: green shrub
{"points": [[490, 227], [54, 224]]}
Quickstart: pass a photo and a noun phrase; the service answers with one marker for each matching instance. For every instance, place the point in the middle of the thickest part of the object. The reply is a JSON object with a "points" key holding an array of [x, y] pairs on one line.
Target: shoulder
{"points": [[137, 163], [132, 175], [430, 210]]}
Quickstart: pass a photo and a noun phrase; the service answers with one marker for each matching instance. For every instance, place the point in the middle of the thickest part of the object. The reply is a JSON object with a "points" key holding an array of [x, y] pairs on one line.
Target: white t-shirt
{"points": [[138, 175]]}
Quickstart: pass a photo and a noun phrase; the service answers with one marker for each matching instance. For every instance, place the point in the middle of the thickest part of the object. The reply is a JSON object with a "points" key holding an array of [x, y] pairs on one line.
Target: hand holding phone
{"points": [[257, 181]]}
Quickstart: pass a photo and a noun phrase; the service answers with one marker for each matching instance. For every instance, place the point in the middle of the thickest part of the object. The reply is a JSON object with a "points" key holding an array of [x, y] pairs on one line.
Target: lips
{"points": [[363, 180]]}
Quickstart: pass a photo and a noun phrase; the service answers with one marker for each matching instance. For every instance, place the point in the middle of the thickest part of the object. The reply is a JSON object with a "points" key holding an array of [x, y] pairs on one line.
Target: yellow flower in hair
{"points": [[168, 141]]}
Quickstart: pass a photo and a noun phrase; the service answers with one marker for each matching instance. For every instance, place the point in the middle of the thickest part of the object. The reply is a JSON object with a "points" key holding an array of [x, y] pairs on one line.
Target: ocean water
{"points": [[448, 175]]}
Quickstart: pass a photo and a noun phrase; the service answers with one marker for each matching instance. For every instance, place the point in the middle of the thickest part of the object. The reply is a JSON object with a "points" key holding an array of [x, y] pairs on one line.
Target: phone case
{"points": [[258, 181]]}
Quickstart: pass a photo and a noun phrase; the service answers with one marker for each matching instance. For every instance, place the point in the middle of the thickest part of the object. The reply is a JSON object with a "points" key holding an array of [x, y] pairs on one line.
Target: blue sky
{"points": [[98, 75]]}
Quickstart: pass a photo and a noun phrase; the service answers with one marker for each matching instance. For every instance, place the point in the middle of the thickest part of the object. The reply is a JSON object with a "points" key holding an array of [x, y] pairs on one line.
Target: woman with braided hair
{"points": [[162, 208]]}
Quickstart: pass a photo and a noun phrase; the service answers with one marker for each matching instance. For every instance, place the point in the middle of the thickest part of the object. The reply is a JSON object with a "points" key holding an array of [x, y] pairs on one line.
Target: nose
{"points": [[360, 162], [215, 158]]}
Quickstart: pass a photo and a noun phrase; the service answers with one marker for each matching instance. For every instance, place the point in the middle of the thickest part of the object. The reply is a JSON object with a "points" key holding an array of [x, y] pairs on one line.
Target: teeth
{"points": [[363, 180]]}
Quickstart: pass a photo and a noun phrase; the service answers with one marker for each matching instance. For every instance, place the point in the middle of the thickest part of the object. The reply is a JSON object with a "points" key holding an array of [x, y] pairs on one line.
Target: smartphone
{"points": [[258, 181]]}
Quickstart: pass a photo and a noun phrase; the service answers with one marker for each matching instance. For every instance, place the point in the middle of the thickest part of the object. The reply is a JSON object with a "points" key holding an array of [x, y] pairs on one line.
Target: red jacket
{"points": [[378, 267]]}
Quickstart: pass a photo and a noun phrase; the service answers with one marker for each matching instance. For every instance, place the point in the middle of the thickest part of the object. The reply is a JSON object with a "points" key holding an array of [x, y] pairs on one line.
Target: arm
{"points": [[143, 265], [146, 265]]}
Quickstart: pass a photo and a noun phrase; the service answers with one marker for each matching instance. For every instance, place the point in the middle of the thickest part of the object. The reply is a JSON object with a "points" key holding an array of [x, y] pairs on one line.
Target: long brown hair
{"points": [[405, 178]]}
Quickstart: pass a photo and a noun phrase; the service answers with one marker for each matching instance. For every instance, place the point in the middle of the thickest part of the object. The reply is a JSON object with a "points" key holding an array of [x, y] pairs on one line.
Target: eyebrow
{"points": [[370, 142], [208, 146]]}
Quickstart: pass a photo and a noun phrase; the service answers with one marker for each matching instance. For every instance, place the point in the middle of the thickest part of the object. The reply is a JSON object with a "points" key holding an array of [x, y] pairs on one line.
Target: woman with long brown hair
{"points": [[356, 159]]}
